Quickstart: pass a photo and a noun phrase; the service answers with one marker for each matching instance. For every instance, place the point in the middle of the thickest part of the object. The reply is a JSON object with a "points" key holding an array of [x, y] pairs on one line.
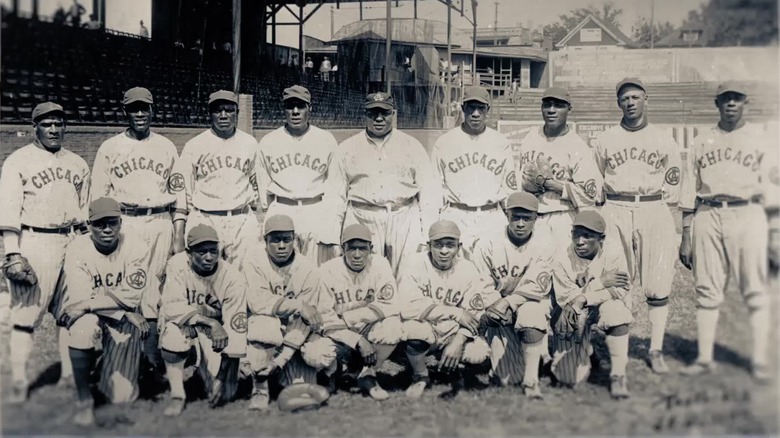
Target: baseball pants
{"points": [[555, 227], [238, 234], [395, 234], [121, 357], [474, 225], [308, 221], [645, 234], [507, 359], [439, 335]]}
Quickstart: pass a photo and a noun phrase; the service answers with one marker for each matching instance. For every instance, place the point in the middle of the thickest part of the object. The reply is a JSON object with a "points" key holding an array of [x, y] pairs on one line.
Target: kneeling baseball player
{"points": [[104, 280], [443, 299], [203, 314], [590, 286], [364, 317], [285, 313]]}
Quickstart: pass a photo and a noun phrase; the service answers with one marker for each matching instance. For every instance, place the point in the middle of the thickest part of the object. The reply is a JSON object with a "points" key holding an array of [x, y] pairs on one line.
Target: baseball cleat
{"points": [[618, 388], [698, 368], [66, 382], [259, 402], [761, 373], [656, 361], [533, 391], [18, 392], [175, 407], [85, 413], [370, 386], [416, 389]]}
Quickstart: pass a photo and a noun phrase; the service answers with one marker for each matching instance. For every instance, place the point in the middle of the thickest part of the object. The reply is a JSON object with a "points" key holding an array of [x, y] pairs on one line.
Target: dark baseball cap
{"points": [[355, 232], [731, 87], [478, 94], [201, 233], [102, 208], [557, 93], [591, 220], [636, 82], [137, 94], [45, 108], [228, 96], [523, 200], [279, 222], [442, 229], [296, 92], [380, 100]]}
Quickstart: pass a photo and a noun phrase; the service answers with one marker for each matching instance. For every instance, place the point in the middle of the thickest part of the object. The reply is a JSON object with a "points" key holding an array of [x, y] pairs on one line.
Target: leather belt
{"points": [[301, 201], [734, 203], [61, 230], [390, 206], [634, 198], [240, 210], [145, 211], [470, 208]]}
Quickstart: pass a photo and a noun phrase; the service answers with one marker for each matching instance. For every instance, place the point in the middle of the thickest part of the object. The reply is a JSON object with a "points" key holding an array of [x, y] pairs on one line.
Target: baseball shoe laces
{"points": [[657, 363], [618, 387]]}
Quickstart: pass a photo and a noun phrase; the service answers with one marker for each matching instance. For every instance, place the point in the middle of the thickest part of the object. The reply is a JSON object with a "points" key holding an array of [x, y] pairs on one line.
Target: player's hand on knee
{"points": [[18, 269], [499, 313], [615, 279], [367, 351], [451, 356], [139, 322], [219, 337], [72, 313], [469, 322], [311, 316]]}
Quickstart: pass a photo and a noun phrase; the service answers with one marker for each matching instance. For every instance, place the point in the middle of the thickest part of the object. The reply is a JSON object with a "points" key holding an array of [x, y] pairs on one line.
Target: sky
{"points": [[124, 15]]}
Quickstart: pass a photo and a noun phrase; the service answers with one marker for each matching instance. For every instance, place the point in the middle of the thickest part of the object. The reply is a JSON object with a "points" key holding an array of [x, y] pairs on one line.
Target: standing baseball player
{"points": [[591, 285], [104, 280], [43, 192], [443, 299], [475, 165], [382, 178], [519, 265], [558, 167], [203, 314], [361, 290], [284, 313], [725, 227], [771, 178], [641, 167], [215, 181], [294, 161], [134, 168]]}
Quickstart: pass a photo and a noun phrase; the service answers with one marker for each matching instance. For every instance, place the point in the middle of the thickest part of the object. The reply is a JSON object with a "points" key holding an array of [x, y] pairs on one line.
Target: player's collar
{"points": [[634, 128]]}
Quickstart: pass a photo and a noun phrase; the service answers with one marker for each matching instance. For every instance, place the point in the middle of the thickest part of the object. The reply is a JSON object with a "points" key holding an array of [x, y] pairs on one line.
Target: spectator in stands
{"points": [[325, 69], [60, 16], [178, 44], [309, 66], [143, 31], [75, 13], [93, 23], [227, 47]]}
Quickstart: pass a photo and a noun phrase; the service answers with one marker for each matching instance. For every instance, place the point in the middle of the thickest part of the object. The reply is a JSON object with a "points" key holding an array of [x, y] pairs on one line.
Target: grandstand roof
{"points": [[405, 30], [609, 28], [534, 54]]}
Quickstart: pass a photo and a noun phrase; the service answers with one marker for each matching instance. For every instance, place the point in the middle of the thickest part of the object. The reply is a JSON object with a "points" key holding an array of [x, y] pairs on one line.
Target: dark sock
{"points": [[83, 362]]}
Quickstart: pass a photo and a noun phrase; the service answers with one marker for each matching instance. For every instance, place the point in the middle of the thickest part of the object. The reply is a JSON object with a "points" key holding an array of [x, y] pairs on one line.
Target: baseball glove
{"points": [[17, 269], [300, 397], [498, 314], [569, 324], [535, 175]]}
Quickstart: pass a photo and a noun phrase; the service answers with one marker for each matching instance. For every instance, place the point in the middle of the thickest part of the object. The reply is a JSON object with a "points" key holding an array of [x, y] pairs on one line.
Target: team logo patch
{"points": [[161, 278], [78, 184], [137, 280], [253, 181], [511, 180], [476, 302], [176, 182], [673, 176], [590, 188], [386, 293], [238, 322], [543, 280]]}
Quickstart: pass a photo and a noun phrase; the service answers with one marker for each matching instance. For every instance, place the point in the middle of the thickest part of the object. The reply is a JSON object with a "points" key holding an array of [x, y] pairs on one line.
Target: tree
{"points": [[740, 22], [566, 22], [642, 34]]}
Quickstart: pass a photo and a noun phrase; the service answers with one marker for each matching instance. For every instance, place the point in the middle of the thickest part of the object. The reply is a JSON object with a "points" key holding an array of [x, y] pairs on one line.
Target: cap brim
{"points": [[355, 238], [138, 99], [384, 105], [438, 236], [61, 113], [731, 90], [476, 99], [104, 215], [301, 98], [556, 97], [588, 227], [200, 240], [223, 99]]}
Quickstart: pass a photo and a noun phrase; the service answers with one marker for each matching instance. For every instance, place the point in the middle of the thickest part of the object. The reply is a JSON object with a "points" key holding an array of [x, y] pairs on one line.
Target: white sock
{"points": [[66, 366], [759, 323], [532, 353], [21, 347], [260, 387], [707, 322], [618, 353], [658, 316], [175, 372], [417, 362]]}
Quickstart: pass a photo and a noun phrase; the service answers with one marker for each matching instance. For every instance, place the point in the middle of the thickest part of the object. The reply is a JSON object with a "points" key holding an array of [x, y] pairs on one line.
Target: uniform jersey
{"points": [[90, 274], [271, 284], [725, 165], [569, 269], [475, 170], [642, 162], [43, 189], [215, 174], [185, 290], [572, 164], [294, 167], [133, 172]]}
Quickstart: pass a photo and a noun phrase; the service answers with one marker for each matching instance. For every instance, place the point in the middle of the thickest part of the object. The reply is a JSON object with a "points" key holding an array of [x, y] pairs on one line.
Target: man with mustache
{"points": [[640, 163], [43, 192], [134, 168]]}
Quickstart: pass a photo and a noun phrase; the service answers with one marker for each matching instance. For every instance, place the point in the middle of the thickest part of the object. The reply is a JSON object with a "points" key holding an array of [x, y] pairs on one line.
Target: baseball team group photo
{"points": [[515, 220]]}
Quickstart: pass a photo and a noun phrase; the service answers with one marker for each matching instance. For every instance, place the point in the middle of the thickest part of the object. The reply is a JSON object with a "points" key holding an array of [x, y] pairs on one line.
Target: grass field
{"points": [[725, 403]]}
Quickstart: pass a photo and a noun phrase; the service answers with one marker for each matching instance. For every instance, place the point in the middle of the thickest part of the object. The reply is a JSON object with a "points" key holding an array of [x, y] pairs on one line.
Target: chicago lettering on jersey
{"points": [[559, 172], [278, 164], [752, 162], [475, 159], [281, 290], [447, 296], [142, 163], [654, 159], [503, 271], [50, 175], [348, 296], [205, 167], [195, 298], [108, 280]]}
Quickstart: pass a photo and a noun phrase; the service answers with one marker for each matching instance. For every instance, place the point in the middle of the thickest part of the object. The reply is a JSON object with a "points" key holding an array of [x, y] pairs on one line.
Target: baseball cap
{"points": [[223, 95], [44, 108], [557, 93], [201, 233], [523, 200], [296, 92], [591, 220], [380, 100], [442, 229], [137, 94], [103, 207], [355, 231], [629, 81], [476, 93], [278, 222], [730, 87]]}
